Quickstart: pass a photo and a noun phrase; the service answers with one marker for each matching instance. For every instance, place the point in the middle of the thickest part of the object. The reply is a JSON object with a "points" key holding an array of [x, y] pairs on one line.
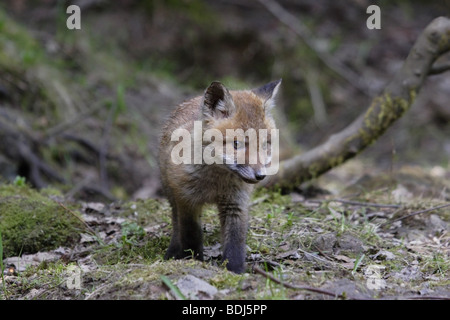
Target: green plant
{"points": [[276, 290], [175, 290], [19, 181], [121, 105], [289, 221], [131, 234], [358, 262]]}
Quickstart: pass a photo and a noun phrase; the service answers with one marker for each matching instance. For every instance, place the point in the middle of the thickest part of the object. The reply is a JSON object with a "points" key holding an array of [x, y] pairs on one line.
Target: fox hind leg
{"points": [[174, 249], [187, 237]]}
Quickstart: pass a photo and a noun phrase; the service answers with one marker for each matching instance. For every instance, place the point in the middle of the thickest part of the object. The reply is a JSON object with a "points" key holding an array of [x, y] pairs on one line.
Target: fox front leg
{"points": [[234, 223]]}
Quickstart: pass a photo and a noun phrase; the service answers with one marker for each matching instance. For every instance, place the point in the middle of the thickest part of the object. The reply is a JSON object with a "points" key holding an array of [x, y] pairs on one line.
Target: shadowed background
{"points": [[82, 109]]}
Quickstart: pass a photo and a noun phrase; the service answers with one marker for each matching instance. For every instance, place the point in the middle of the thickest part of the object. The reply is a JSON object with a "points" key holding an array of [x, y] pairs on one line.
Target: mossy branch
{"points": [[384, 110]]}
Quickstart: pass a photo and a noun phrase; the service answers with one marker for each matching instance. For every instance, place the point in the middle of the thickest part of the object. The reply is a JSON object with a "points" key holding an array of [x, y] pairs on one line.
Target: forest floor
{"points": [[80, 116], [385, 236]]}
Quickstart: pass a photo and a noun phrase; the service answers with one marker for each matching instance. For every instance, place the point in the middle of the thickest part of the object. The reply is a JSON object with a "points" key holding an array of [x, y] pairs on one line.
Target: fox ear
{"points": [[217, 101], [268, 93]]}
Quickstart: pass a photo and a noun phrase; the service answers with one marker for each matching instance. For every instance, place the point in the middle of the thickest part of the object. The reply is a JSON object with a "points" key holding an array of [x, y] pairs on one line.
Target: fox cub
{"points": [[229, 183]]}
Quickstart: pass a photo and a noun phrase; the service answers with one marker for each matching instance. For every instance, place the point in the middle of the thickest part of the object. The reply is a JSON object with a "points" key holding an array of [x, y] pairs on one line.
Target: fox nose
{"points": [[259, 176]]}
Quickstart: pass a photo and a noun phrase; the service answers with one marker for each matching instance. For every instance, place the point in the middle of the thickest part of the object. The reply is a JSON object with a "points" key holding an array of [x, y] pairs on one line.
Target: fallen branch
{"points": [[384, 110], [417, 212], [439, 68]]}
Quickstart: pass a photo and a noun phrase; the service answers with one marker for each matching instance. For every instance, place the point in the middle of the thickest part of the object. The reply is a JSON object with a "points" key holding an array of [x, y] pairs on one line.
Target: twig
{"points": [[440, 68], [300, 30], [320, 113], [85, 143], [38, 165], [418, 212], [76, 216], [64, 126], [48, 289], [329, 261], [292, 286], [97, 290], [100, 288], [323, 253], [88, 187]]}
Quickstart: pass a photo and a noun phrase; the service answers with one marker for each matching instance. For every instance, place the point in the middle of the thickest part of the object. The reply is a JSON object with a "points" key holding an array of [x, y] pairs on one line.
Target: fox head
{"points": [[244, 120]]}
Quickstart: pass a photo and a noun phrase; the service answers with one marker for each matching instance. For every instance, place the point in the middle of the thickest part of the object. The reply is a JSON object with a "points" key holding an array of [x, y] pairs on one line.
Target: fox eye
{"points": [[238, 145]]}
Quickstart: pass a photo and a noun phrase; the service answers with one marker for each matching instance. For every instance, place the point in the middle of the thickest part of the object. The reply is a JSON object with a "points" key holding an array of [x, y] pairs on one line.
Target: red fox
{"points": [[188, 186]]}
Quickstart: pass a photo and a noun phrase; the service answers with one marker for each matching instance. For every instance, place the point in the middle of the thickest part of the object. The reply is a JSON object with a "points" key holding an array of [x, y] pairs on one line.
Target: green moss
{"points": [[444, 42], [224, 280], [51, 192], [314, 170], [31, 222], [130, 250], [335, 161], [148, 211], [383, 111]]}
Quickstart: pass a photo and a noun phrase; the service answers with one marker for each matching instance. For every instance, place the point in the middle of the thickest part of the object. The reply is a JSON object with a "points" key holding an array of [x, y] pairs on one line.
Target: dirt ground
{"points": [[87, 107], [381, 237]]}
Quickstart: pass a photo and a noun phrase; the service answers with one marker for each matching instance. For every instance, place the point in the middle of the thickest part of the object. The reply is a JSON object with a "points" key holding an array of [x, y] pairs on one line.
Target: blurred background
{"points": [[81, 110]]}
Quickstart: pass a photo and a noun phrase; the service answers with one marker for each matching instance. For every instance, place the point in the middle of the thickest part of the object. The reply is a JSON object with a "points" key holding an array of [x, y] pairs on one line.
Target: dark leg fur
{"points": [[187, 238], [234, 223]]}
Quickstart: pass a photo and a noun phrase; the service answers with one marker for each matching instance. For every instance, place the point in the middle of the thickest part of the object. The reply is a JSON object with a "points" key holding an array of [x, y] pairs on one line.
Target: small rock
{"points": [[292, 254], [325, 242], [349, 244], [349, 288], [408, 273], [61, 250], [213, 251], [437, 224], [87, 238], [194, 288], [401, 194], [201, 273], [33, 294], [415, 236], [31, 259], [93, 207]]}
